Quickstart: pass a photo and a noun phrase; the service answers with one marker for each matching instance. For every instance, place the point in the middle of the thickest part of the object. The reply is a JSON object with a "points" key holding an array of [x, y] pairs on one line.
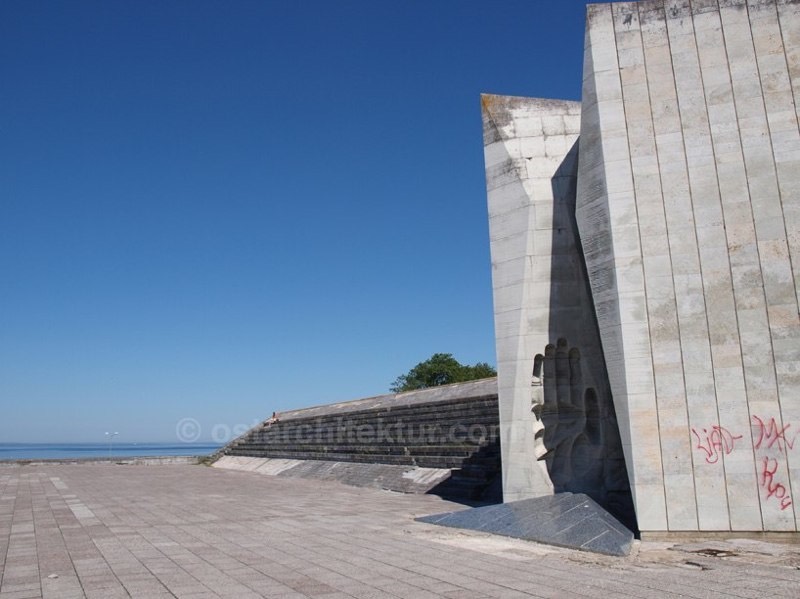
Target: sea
{"points": [[40, 451]]}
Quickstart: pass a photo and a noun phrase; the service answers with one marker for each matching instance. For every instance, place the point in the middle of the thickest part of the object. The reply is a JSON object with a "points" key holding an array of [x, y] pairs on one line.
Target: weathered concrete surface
{"points": [[408, 442], [688, 220], [688, 213], [479, 388], [558, 427], [189, 531], [530, 165], [404, 479], [483, 388]]}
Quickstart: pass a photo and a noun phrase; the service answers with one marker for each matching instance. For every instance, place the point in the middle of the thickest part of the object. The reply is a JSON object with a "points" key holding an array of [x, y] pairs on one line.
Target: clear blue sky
{"points": [[219, 209]]}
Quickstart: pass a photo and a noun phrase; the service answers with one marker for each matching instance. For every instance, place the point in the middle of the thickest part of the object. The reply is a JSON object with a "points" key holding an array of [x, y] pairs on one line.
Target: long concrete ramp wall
{"points": [[443, 440]]}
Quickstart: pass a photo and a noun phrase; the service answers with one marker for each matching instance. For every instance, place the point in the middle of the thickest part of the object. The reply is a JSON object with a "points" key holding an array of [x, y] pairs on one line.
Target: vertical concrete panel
{"points": [[789, 21], [766, 270], [609, 229], [659, 282], [742, 258], [787, 158], [734, 416], [691, 145], [779, 231], [689, 158], [525, 143]]}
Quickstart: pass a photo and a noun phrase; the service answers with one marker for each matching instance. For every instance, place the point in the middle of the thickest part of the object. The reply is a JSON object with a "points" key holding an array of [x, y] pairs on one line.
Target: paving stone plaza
{"points": [[107, 531], [646, 284]]}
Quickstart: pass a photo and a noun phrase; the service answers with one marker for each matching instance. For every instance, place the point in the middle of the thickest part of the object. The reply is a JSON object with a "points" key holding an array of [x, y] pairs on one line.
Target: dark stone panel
{"points": [[571, 520]]}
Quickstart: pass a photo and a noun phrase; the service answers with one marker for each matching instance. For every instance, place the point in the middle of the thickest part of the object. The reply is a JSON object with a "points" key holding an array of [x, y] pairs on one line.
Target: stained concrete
{"points": [[687, 210], [442, 440], [687, 218], [404, 479]]}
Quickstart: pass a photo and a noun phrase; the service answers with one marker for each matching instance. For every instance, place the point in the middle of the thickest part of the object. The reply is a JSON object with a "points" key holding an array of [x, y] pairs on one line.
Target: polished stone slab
{"points": [[571, 520]]}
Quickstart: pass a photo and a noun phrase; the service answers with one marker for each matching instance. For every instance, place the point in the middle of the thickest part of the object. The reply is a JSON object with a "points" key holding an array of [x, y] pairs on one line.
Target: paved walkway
{"points": [[111, 531]]}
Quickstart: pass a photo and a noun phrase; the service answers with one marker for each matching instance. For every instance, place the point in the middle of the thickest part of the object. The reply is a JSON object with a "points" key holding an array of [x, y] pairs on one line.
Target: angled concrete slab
{"points": [[571, 520]]}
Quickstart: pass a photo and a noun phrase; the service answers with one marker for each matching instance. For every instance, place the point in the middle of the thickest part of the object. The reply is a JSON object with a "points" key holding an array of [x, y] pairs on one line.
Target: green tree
{"points": [[440, 369]]}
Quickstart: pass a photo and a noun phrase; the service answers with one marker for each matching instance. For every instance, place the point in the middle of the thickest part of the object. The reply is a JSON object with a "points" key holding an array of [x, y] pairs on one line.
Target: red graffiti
{"points": [[772, 488], [720, 440], [771, 434]]}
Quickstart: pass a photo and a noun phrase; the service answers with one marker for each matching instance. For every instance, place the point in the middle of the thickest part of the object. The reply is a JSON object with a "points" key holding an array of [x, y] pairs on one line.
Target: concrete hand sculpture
{"points": [[568, 429]]}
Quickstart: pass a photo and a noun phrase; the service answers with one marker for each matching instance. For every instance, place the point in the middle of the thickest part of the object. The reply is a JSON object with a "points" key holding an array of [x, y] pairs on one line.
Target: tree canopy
{"points": [[440, 369]]}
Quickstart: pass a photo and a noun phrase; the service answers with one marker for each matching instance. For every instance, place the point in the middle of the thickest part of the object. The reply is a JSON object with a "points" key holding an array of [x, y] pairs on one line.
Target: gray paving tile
{"points": [[191, 531]]}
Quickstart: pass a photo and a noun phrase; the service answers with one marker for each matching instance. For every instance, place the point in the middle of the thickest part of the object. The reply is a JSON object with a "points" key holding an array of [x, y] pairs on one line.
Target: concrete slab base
{"points": [[571, 520], [404, 479]]}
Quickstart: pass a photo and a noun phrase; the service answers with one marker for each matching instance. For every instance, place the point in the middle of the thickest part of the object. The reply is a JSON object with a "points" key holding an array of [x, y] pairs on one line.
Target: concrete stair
{"points": [[460, 434]]}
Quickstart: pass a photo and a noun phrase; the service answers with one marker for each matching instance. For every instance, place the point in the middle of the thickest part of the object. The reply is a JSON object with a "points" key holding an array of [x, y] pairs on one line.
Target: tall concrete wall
{"points": [[559, 432], [689, 224], [526, 142], [687, 208]]}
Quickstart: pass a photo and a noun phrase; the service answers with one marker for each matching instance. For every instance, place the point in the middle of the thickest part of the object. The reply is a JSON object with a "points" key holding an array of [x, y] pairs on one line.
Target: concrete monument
{"points": [[645, 252]]}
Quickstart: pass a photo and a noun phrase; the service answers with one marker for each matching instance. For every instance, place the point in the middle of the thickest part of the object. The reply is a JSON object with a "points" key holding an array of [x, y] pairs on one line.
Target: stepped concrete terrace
{"points": [[443, 440], [104, 531]]}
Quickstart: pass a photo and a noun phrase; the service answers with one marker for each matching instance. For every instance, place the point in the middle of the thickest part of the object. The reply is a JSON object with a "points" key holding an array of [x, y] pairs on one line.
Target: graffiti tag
{"points": [[715, 442], [772, 488], [770, 434]]}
